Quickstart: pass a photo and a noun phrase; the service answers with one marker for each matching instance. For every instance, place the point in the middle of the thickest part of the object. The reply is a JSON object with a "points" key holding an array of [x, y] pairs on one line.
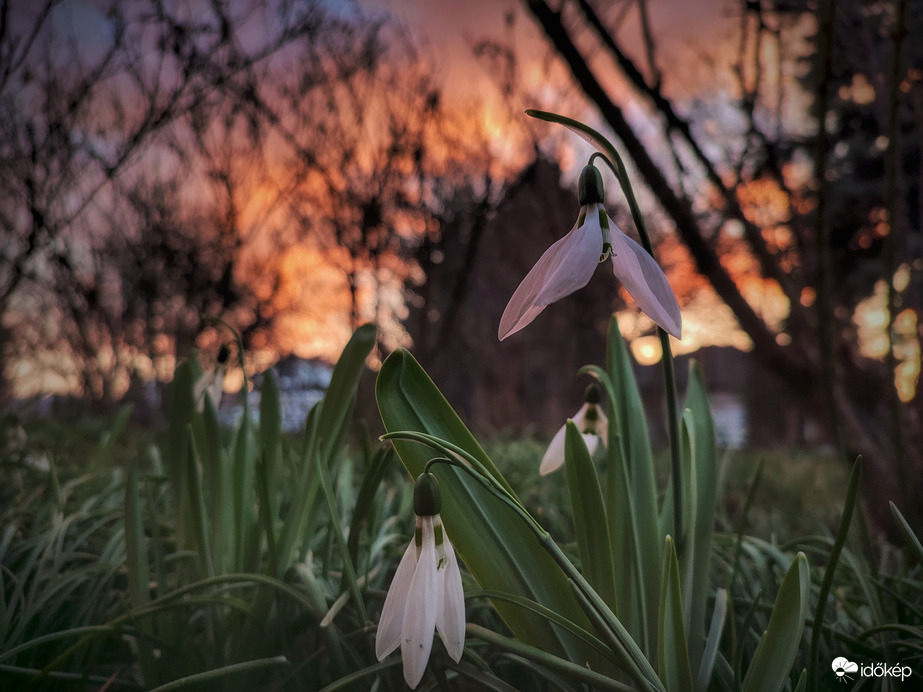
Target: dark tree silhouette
{"points": [[162, 168], [830, 246]]}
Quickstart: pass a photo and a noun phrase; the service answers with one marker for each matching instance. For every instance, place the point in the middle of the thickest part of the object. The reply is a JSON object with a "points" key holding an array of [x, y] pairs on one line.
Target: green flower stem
{"points": [[614, 160], [637, 666]]}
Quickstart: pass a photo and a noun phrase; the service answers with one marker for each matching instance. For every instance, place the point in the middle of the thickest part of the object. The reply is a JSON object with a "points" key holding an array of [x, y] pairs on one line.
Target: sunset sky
{"points": [[446, 33]]}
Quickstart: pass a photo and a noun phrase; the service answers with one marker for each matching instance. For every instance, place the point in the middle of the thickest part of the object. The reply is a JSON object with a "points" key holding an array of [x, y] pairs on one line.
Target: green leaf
{"points": [[500, 551], [244, 532], [336, 408], [271, 437], [135, 547], [772, 661], [324, 437], [182, 408], [543, 658], [641, 514], [546, 613], [672, 654], [349, 571], [136, 565], [213, 676], [374, 474], [307, 486], [852, 495], [700, 501], [589, 510], [197, 507], [216, 482], [710, 654], [913, 542]]}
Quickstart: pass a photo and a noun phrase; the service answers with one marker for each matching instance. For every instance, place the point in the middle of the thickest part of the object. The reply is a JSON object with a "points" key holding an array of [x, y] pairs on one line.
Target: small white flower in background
{"points": [[426, 594], [211, 383], [590, 421], [569, 264]]}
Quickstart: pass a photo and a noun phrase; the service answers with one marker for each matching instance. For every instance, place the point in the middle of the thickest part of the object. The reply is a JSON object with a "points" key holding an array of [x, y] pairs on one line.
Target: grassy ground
{"points": [[82, 609]]}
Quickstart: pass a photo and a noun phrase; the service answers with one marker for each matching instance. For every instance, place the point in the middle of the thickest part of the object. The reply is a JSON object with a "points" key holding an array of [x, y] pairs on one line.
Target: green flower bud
{"points": [[590, 186], [427, 500]]}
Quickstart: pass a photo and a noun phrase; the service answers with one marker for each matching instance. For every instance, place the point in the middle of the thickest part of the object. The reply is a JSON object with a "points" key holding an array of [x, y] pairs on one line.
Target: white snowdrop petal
{"points": [[580, 417], [645, 282], [561, 270], [554, 455], [602, 427], [575, 263], [421, 610], [592, 442], [216, 387], [388, 636], [451, 621]]}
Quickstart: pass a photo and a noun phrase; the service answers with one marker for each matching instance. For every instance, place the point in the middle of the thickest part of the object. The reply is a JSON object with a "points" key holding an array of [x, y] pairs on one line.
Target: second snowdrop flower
{"points": [[590, 421], [426, 594], [570, 262], [211, 384]]}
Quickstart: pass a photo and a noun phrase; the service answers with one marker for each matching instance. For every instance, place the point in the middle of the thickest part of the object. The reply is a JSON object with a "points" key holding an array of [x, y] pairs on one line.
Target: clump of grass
{"points": [[207, 558]]}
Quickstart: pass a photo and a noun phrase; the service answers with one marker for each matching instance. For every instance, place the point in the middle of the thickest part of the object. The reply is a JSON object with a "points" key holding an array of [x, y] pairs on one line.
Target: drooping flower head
{"points": [[570, 262], [211, 383], [590, 421], [426, 594]]}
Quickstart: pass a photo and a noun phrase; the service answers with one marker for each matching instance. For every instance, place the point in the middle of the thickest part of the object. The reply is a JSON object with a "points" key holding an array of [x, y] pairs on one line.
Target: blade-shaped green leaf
{"points": [[710, 654], [271, 437], [642, 485], [772, 661], [500, 551], [592, 531], [341, 392], [216, 479], [852, 495], [197, 511], [182, 408], [244, 462], [701, 502], [672, 654], [378, 464], [325, 429], [541, 657], [136, 563], [913, 541], [307, 489]]}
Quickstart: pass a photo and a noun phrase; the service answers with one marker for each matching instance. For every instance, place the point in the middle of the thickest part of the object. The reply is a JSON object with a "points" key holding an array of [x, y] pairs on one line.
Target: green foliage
{"points": [[711, 624], [205, 574], [498, 548], [272, 574]]}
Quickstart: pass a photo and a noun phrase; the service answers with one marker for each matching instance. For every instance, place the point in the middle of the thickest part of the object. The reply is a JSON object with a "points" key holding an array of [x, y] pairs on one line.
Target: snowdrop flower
{"points": [[211, 384], [426, 593], [570, 262], [590, 421]]}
